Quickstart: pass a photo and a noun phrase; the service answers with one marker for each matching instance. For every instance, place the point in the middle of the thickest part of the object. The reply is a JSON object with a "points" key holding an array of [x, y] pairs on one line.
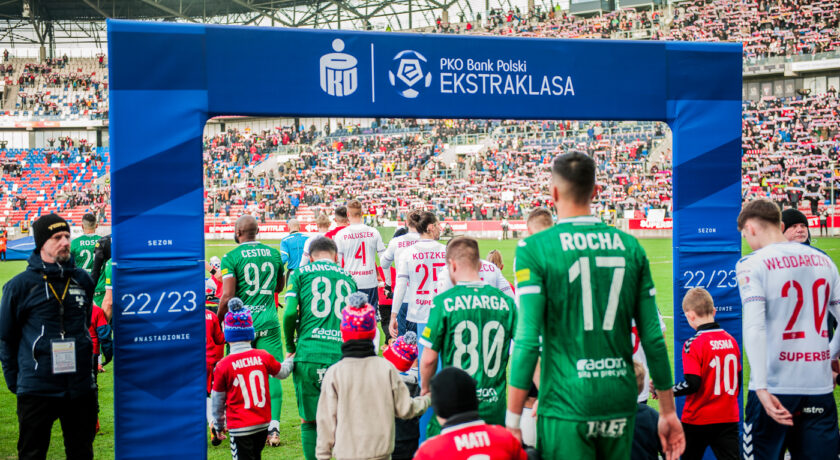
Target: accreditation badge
{"points": [[63, 356]]}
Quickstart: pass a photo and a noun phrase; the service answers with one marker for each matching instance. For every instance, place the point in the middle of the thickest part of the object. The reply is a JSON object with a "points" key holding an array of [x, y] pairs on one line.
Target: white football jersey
{"points": [[396, 247], [488, 272], [787, 289], [423, 265], [304, 259], [639, 355], [358, 245]]}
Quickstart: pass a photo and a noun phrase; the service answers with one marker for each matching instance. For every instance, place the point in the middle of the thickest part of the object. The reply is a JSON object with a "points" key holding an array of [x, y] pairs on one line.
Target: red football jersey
{"points": [[472, 440], [715, 356], [214, 337], [244, 379], [97, 318]]}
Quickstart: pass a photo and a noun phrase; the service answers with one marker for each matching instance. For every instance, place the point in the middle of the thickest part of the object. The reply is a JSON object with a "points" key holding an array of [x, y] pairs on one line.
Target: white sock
{"points": [[274, 425]]}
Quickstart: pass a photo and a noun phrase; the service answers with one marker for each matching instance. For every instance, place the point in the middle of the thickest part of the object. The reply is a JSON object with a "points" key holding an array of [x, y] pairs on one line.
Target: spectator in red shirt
{"points": [[463, 434]]}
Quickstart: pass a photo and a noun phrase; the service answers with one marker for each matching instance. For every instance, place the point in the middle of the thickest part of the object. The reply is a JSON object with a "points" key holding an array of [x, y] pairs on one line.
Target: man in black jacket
{"points": [[45, 346]]}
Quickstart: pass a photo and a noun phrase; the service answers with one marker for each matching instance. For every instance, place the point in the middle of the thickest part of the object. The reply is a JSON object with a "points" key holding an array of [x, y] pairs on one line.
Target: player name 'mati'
{"points": [[802, 260], [472, 302]]}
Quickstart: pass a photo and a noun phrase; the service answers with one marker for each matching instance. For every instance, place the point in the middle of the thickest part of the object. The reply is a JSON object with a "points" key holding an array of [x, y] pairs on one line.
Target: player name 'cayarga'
{"points": [[247, 362], [813, 260], [472, 302]]}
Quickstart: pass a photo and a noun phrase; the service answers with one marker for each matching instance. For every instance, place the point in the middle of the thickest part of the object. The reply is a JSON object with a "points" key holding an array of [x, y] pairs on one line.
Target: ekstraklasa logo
{"points": [[407, 71]]}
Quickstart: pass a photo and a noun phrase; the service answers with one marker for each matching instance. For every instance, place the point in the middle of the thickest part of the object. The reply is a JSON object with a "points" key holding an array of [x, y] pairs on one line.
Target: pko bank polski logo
{"points": [[339, 75], [407, 71]]}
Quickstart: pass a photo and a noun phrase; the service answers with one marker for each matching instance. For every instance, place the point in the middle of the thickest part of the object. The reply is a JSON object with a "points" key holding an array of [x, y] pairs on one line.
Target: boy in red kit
{"points": [[215, 351], [712, 369], [463, 434], [240, 386], [100, 335]]}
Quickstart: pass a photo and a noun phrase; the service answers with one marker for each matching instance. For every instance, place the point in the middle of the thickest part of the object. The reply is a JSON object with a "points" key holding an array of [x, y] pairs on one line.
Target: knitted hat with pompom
{"points": [[403, 352], [358, 319]]}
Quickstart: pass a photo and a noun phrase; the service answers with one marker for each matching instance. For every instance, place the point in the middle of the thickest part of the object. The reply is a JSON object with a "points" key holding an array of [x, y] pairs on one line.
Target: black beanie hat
{"points": [[47, 226], [791, 217], [453, 392]]}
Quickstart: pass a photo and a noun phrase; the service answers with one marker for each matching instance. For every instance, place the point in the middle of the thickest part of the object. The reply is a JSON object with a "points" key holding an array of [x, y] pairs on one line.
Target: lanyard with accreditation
{"points": [[63, 350]]}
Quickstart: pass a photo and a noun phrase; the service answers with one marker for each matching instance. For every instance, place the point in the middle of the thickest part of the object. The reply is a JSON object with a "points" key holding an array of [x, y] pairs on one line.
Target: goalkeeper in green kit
{"points": [[470, 327], [580, 285], [254, 272], [314, 300]]}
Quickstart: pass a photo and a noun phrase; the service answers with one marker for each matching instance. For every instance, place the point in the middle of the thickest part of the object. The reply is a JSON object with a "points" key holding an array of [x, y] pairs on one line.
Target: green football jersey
{"points": [[82, 250], [318, 291], [256, 268], [471, 326], [581, 284]]}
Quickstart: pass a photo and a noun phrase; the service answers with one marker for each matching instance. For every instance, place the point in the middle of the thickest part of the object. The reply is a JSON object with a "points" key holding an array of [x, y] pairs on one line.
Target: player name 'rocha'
{"points": [[583, 241]]}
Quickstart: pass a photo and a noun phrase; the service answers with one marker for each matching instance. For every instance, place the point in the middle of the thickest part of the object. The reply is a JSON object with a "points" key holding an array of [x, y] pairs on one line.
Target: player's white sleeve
{"points": [[380, 246], [399, 292], [218, 401], [386, 259], [834, 309], [502, 284], [304, 259], [754, 304], [401, 283]]}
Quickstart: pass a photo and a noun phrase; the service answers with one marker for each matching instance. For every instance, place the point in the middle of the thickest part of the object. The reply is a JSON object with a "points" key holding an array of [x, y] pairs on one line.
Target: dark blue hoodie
{"points": [[29, 319]]}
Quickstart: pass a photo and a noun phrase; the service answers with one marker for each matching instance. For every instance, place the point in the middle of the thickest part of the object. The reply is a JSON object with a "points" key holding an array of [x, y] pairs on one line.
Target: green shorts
{"points": [[271, 341], [307, 378], [601, 439]]}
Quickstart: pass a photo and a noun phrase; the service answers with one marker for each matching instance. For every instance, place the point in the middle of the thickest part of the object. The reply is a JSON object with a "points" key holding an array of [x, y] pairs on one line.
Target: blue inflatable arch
{"points": [[167, 80]]}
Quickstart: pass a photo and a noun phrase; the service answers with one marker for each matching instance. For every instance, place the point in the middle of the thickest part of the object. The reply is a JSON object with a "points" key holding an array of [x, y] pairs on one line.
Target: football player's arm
{"points": [[218, 398], [10, 334], [108, 303], [431, 337], [754, 304], [284, 251], [304, 258], [228, 292], [385, 261], [396, 303], [281, 275], [834, 308], [650, 331], [692, 369], [290, 316], [526, 349]]}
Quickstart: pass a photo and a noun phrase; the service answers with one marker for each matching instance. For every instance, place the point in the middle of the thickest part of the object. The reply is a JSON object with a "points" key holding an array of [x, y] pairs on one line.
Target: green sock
{"points": [[308, 436]]}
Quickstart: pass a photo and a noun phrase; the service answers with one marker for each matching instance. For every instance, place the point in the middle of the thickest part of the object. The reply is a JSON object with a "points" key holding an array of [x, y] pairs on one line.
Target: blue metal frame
{"points": [[167, 80]]}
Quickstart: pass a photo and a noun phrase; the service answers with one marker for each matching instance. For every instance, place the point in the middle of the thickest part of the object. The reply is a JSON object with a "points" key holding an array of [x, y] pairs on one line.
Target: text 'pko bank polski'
{"points": [[499, 76]]}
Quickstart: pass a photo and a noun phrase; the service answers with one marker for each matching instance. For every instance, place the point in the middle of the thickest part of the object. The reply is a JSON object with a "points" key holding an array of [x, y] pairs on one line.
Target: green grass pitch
{"points": [[658, 250]]}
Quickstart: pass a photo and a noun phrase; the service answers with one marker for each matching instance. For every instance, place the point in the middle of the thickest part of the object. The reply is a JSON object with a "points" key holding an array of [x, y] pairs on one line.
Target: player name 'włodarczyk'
{"points": [[502, 77]]}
